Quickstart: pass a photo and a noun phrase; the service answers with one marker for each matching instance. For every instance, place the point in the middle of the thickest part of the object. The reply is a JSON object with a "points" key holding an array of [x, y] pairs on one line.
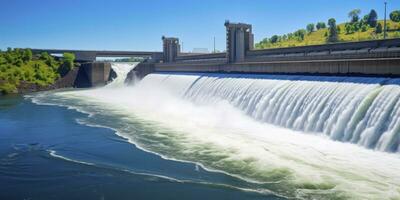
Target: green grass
{"points": [[318, 37]]}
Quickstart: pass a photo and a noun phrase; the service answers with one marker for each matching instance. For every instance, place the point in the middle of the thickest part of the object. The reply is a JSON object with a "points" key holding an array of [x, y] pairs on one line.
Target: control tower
{"points": [[171, 48], [239, 40]]}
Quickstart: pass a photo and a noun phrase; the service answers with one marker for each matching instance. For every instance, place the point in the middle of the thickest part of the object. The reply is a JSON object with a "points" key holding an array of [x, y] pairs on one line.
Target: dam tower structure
{"points": [[171, 48], [239, 40]]}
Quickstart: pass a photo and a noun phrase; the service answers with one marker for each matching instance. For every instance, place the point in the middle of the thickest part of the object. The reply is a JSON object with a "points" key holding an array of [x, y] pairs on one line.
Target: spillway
{"points": [[364, 111], [121, 70], [300, 137]]}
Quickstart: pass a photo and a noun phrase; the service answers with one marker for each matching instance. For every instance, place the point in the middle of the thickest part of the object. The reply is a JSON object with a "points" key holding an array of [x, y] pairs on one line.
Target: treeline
{"points": [[332, 32], [21, 66], [130, 59]]}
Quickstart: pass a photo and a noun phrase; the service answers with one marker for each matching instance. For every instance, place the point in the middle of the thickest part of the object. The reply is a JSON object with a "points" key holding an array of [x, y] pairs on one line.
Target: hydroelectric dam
{"points": [[347, 91], [376, 58], [313, 122]]}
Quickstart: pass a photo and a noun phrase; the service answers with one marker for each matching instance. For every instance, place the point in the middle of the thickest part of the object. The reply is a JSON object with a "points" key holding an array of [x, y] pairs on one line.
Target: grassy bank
{"points": [[320, 36], [21, 67]]}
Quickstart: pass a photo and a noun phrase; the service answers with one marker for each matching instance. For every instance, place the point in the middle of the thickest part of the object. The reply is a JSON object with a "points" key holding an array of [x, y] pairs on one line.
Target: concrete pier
{"points": [[97, 73]]}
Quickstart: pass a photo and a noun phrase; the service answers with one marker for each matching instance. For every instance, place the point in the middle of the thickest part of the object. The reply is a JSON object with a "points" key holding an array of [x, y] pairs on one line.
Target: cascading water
{"points": [[122, 70], [233, 123], [365, 111]]}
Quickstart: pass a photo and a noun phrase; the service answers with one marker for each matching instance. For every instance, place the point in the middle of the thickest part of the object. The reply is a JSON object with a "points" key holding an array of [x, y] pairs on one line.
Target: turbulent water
{"points": [[292, 136], [122, 70], [344, 109]]}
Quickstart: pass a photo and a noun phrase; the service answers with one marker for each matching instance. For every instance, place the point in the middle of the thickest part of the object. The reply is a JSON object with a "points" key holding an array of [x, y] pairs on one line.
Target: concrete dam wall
{"points": [[369, 58]]}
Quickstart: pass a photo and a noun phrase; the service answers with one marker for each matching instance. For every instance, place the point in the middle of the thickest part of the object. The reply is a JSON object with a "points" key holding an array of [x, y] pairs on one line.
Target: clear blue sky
{"points": [[139, 25]]}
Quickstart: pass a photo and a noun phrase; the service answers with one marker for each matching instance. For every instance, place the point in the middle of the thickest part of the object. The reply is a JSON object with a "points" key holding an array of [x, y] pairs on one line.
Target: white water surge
{"points": [[295, 136], [344, 109], [122, 70]]}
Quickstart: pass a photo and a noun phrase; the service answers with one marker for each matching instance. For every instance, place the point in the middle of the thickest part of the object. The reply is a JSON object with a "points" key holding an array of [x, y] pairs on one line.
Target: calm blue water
{"points": [[46, 154]]}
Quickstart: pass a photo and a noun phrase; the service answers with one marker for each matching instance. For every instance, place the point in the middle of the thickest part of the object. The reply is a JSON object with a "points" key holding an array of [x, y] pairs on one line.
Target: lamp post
{"points": [[384, 23], [214, 44]]}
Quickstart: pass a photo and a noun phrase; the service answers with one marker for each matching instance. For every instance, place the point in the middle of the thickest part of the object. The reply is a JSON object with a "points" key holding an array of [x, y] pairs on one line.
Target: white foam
{"points": [[216, 127]]}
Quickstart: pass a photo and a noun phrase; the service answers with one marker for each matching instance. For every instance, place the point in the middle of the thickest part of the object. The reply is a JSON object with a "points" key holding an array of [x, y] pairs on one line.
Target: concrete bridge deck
{"points": [[91, 55]]}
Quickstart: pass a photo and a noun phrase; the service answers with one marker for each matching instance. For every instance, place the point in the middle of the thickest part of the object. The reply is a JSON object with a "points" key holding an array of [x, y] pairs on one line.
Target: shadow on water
{"points": [[9, 101]]}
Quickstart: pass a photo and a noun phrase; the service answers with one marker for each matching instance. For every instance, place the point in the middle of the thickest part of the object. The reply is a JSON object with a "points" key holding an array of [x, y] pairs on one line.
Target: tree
{"points": [[365, 18], [68, 64], [69, 59], [349, 28], [321, 25], [378, 28], [300, 34], [332, 32], [310, 28], [274, 39], [354, 15], [395, 16], [27, 55], [364, 28], [372, 19]]}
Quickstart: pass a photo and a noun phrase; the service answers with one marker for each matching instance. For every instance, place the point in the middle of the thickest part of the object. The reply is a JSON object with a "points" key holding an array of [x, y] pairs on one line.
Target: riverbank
{"points": [[68, 81], [21, 71]]}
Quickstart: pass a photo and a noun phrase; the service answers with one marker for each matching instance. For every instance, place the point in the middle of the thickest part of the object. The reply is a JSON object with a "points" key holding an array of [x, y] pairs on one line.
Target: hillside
{"points": [[20, 69], [319, 36]]}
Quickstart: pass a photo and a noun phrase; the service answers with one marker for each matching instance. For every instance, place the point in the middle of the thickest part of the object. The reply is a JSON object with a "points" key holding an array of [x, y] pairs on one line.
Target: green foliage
{"points": [[354, 15], [49, 60], [131, 59], [321, 25], [18, 65], [69, 59], [274, 39], [378, 28], [372, 18], [300, 34], [27, 55], [7, 88], [346, 32], [68, 63], [310, 28], [349, 28], [395, 16], [364, 28], [332, 31]]}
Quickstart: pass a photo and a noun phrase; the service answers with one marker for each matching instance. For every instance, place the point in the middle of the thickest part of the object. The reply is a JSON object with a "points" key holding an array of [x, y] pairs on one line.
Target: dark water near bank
{"points": [[46, 154]]}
